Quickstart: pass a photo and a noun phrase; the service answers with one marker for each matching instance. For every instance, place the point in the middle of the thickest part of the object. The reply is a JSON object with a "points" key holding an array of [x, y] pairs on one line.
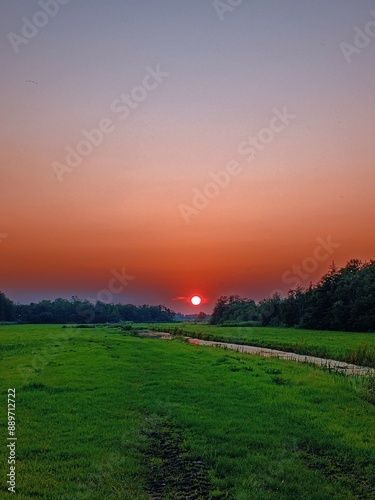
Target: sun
{"points": [[196, 300]]}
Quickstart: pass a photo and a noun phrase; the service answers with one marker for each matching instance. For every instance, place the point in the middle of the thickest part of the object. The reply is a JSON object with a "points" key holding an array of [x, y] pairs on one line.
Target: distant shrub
{"points": [[362, 356], [241, 323], [127, 328]]}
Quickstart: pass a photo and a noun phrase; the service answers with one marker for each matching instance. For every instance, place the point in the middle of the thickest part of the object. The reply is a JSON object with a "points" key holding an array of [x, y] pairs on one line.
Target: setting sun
{"points": [[196, 300]]}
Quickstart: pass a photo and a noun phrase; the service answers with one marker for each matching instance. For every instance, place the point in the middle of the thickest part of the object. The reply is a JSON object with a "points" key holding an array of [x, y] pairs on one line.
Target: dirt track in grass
{"points": [[333, 364], [338, 366]]}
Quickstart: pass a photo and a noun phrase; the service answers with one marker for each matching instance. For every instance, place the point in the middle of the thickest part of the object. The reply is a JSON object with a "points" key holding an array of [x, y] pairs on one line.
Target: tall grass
{"points": [[355, 348]]}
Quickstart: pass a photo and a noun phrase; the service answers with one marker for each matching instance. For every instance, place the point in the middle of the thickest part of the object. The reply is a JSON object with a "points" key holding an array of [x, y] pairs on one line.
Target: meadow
{"points": [[102, 413], [356, 348]]}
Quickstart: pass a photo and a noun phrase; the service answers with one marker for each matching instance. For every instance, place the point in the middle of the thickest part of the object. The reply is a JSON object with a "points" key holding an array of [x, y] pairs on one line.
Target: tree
{"points": [[6, 308], [201, 316], [219, 310]]}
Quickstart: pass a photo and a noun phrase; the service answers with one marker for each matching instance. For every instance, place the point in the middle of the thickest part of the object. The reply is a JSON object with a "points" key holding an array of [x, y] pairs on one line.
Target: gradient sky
{"points": [[120, 208]]}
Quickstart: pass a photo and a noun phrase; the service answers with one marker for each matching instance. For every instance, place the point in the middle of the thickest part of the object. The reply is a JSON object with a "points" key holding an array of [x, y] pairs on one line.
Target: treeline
{"points": [[81, 311], [343, 299]]}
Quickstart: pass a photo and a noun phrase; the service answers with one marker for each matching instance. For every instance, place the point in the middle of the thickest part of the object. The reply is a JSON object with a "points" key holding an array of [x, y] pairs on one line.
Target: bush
{"points": [[127, 328], [362, 356]]}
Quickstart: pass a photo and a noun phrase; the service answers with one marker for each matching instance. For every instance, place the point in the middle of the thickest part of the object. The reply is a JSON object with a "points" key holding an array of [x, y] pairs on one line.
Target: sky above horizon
{"points": [[193, 147]]}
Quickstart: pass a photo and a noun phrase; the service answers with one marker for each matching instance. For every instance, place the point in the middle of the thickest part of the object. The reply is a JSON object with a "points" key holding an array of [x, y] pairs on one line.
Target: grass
{"points": [[103, 414], [356, 348]]}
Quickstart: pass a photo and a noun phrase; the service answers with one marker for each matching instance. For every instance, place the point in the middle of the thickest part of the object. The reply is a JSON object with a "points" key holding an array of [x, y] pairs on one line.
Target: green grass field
{"points": [[357, 348], [104, 414]]}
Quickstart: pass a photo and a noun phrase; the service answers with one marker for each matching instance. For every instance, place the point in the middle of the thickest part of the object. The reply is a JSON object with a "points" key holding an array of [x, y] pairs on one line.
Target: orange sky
{"points": [[121, 207]]}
